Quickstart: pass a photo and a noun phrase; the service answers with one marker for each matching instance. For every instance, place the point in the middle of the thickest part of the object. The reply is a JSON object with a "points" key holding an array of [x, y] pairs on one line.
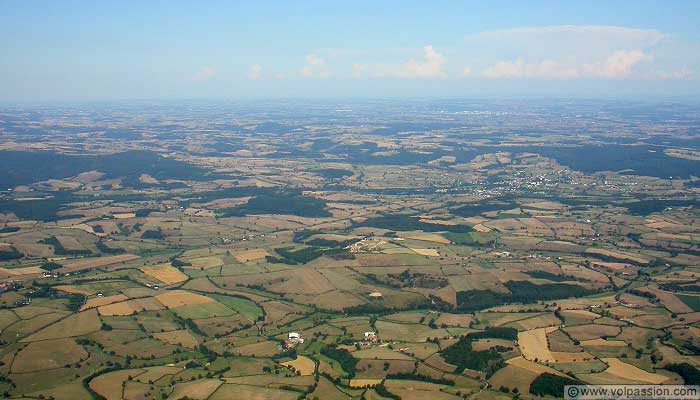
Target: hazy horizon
{"points": [[79, 51]]}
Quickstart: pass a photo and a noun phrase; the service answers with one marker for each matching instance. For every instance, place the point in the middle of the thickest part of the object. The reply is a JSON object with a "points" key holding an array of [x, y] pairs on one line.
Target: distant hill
{"points": [[25, 167]]}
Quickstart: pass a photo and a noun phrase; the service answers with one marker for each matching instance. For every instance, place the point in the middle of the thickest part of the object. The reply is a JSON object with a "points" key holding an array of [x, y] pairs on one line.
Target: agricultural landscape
{"points": [[347, 250]]}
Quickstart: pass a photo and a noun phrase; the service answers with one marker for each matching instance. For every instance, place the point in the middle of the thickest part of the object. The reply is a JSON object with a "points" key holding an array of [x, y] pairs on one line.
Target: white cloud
{"points": [[618, 65], [431, 66], [255, 73], [547, 69], [315, 67], [567, 51], [204, 74]]}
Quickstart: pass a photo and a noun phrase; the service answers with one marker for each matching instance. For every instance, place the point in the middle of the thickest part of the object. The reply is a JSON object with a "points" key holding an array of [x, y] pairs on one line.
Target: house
{"points": [[371, 337], [293, 339]]}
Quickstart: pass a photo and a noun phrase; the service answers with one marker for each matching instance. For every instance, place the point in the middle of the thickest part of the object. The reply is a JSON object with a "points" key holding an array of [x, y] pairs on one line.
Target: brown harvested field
{"points": [[124, 215], [380, 353], [95, 262], [155, 373], [251, 255], [513, 377], [481, 228], [333, 300], [131, 306], [560, 246], [360, 383], [532, 366], [584, 314], [260, 349], [272, 380], [21, 271], [436, 361], [426, 237], [48, 354], [533, 345], [592, 331], [77, 324], [123, 308], [617, 254], [73, 289], [182, 337], [539, 321], [165, 273], [328, 391], [545, 205], [72, 390], [603, 343], [670, 301], [177, 298], [485, 344], [632, 373], [109, 385], [637, 336], [559, 341], [426, 252], [70, 243], [103, 301], [567, 357], [416, 390], [615, 266], [303, 365], [250, 392], [275, 310], [200, 389], [206, 262], [463, 320], [301, 280], [502, 318]]}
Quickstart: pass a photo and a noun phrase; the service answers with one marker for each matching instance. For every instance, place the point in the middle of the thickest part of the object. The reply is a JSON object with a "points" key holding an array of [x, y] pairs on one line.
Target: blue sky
{"points": [[102, 50]]}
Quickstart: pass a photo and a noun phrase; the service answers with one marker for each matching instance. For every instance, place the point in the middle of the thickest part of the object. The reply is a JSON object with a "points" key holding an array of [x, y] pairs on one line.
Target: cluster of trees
{"points": [[409, 279], [333, 173], [302, 256], [156, 234], [347, 362], [60, 250], [520, 292], [280, 203], [675, 287], [401, 222], [422, 378], [552, 385], [102, 247], [550, 276], [9, 254], [690, 374], [489, 361]]}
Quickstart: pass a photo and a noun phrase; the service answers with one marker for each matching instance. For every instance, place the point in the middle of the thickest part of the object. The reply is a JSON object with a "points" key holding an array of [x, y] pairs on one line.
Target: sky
{"points": [[119, 50]]}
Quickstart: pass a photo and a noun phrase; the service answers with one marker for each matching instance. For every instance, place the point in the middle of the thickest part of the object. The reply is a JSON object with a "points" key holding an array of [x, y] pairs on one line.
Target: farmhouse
{"points": [[371, 337], [293, 339]]}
